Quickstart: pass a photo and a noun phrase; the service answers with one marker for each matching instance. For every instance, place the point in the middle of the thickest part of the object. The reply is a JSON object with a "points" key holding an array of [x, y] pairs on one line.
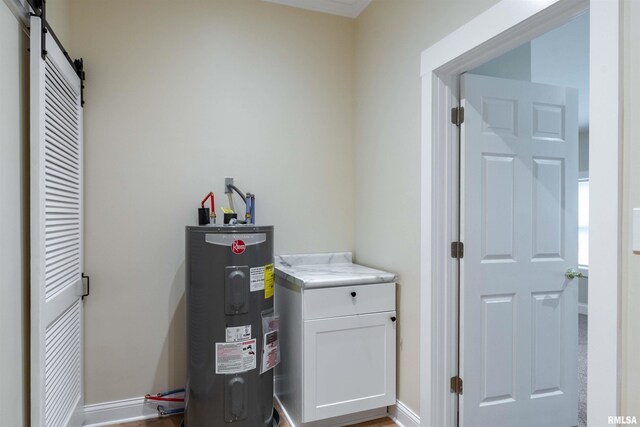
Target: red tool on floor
{"points": [[167, 396], [164, 396]]}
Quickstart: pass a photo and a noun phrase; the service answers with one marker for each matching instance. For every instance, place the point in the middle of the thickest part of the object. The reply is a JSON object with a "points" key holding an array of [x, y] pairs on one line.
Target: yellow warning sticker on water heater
{"points": [[268, 281]]}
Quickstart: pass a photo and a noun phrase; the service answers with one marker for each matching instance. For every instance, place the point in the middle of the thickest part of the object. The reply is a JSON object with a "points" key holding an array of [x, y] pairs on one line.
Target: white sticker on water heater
{"points": [[238, 333], [235, 357], [256, 275], [270, 351]]}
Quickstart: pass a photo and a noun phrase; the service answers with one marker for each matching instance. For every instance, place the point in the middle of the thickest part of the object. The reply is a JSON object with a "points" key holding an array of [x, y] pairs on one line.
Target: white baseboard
{"points": [[136, 409], [403, 416], [583, 308], [344, 420], [121, 411]]}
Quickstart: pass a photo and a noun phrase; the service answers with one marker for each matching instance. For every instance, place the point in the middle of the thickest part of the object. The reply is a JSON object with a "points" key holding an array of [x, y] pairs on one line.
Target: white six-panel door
{"points": [[56, 236], [518, 347]]}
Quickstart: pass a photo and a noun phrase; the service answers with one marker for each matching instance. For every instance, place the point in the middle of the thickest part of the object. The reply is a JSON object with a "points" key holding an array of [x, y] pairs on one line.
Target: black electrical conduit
{"points": [[237, 190]]}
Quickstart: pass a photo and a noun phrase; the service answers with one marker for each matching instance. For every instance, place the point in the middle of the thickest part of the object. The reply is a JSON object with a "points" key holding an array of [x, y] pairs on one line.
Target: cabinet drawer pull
{"points": [[393, 318], [353, 294]]}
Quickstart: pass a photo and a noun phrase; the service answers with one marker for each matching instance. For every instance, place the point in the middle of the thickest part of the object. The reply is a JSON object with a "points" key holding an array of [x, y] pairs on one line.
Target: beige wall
{"points": [[13, 186], [631, 199], [58, 15], [179, 95], [390, 35]]}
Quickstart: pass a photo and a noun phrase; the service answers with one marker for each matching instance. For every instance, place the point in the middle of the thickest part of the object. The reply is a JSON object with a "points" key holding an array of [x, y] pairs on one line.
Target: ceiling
{"points": [[348, 8]]}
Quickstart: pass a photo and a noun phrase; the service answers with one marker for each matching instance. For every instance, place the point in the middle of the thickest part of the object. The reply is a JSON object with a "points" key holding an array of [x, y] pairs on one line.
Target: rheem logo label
{"points": [[238, 247]]}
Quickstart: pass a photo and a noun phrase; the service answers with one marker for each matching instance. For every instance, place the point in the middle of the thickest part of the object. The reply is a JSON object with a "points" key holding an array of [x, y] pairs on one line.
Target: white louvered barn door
{"points": [[56, 237]]}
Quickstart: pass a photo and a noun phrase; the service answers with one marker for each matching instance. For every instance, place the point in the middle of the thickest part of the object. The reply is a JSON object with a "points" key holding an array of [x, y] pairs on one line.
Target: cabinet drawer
{"points": [[349, 300]]}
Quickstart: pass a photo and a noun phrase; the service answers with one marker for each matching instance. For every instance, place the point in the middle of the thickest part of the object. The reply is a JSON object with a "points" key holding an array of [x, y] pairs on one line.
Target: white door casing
{"points": [[56, 236], [518, 347]]}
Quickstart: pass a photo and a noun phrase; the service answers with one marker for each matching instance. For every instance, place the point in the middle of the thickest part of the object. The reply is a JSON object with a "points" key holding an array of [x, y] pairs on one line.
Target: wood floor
{"points": [[177, 419]]}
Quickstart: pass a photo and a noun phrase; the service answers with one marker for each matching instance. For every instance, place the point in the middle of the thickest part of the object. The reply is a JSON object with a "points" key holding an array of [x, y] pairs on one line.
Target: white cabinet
{"points": [[338, 352], [349, 364]]}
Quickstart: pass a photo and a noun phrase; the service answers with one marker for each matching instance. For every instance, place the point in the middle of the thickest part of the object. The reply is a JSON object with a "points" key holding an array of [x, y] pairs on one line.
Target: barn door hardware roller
{"points": [[78, 65], [40, 10]]}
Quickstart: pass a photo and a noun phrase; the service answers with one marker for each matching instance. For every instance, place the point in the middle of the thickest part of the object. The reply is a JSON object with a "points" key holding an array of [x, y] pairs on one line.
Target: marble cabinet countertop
{"points": [[327, 270]]}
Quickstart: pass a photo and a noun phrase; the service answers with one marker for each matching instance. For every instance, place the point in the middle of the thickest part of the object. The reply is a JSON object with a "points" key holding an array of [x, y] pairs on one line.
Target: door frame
{"points": [[501, 28]]}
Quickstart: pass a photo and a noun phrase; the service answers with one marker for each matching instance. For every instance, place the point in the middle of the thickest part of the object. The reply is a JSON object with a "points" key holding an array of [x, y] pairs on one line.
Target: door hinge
{"points": [[456, 385], [457, 115], [457, 250]]}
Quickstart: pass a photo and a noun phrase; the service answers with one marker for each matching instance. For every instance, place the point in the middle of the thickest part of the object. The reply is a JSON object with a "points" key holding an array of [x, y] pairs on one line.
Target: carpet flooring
{"points": [[582, 370]]}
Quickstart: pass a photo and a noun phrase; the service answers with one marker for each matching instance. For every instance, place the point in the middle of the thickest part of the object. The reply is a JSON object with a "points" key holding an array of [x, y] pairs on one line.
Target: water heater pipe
{"points": [[247, 201], [253, 209], [213, 205]]}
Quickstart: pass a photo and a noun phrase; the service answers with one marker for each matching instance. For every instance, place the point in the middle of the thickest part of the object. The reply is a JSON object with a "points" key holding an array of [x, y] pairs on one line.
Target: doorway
{"points": [[503, 27], [522, 358]]}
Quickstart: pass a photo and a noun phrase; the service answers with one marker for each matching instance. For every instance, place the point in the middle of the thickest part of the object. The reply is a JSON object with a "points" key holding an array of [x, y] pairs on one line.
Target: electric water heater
{"points": [[232, 331]]}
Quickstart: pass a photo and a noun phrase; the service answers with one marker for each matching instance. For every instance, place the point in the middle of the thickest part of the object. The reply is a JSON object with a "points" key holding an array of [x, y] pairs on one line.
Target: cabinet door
{"points": [[349, 364]]}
